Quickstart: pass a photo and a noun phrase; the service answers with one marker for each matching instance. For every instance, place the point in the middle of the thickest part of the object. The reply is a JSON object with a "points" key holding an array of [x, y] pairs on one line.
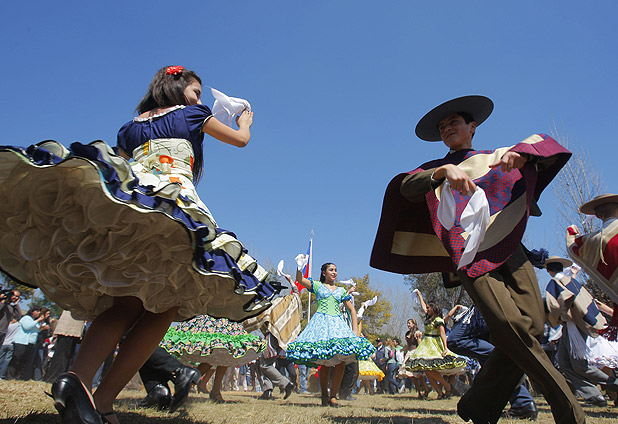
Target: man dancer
{"points": [[597, 252], [160, 368], [570, 304], [492, 266]]}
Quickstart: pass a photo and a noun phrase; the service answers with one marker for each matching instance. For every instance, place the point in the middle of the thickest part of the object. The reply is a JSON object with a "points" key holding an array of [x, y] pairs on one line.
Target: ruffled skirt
{"points": [[79, 225], [602, 352], [218, 342], [428, 357], [368, 370], [328, 340]]}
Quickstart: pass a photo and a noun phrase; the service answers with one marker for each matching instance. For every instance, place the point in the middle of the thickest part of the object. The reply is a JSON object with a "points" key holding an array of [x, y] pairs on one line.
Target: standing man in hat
{"points": [[431, 223], [597, 252], [570, 304]]}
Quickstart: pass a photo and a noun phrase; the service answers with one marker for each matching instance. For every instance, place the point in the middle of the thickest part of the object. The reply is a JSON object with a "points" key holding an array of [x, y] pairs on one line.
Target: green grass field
{"points": [[26, 403]]}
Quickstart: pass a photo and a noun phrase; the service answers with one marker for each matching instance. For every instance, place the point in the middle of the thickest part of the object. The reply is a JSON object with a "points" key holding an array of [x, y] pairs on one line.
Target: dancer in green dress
{"points": [[431, 355]]}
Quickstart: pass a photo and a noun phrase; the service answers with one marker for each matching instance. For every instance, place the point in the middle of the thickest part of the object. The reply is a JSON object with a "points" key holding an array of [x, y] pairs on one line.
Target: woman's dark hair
{"points": [[34, 308], [44, 310], [434, 307], [167, 90], [323, 269]]}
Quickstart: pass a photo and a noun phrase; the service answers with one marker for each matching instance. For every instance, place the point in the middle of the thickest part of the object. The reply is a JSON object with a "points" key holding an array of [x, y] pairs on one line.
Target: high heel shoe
{"points": [[72, 401]]}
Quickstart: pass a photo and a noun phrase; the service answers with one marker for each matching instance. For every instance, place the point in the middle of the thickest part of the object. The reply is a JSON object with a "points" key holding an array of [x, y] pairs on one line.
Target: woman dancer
{"points": [[130, 246], [212, 343], [327, 340], [431, 355], [413, 338]]}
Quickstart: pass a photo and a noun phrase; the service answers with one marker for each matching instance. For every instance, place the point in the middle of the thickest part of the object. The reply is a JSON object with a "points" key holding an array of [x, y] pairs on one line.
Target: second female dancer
{"points": [[328, 340]]}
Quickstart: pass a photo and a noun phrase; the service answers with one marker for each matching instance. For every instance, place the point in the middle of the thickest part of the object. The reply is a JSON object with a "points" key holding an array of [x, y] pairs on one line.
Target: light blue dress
{"points": [[327, 339]]}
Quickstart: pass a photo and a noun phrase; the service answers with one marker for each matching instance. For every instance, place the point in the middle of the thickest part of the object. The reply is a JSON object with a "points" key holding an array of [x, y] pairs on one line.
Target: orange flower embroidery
{"points": [[166, 159], [191, 159], [176, 180]]}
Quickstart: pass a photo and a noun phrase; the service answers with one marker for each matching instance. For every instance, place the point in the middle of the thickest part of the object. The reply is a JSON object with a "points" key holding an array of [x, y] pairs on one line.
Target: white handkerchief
{"points": [[347, 282], [226, 108], [301, 260], [446, 207], [371, 302], [280, 268], [474, 220]]}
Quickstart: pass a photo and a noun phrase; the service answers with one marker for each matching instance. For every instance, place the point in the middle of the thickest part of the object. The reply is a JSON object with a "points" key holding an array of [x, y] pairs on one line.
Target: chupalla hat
{"points": [[557, 259], [588, 207], [480, 107]]}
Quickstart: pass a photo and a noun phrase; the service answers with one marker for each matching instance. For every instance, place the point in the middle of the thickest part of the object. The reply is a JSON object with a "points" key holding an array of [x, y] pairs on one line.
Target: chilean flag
{"points": [[307, 267]]}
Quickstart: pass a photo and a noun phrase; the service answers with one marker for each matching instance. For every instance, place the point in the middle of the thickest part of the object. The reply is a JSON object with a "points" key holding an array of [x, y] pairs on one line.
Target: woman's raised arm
{"points": [[220, 131]]}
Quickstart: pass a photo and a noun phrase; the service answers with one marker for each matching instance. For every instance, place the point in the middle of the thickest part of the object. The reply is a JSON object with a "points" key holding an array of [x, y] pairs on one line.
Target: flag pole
{"points": [[310, 264]]}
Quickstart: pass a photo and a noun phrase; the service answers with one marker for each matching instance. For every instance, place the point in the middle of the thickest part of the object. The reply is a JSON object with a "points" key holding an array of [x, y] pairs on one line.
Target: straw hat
{"points": [[588, 207], [557, 259]]}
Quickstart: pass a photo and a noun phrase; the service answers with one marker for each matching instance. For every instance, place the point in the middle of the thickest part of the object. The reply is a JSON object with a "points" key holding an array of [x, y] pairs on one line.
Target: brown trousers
{"points": [[511, 304]]}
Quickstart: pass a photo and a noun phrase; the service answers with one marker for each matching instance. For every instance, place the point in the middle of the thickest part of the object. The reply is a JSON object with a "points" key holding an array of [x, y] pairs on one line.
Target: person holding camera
{"points": [[9, 309], [24, 342]]}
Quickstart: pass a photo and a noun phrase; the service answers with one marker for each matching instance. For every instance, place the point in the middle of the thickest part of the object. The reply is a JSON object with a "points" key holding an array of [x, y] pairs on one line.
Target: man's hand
{"points": [[509, 161], [458, 179]]}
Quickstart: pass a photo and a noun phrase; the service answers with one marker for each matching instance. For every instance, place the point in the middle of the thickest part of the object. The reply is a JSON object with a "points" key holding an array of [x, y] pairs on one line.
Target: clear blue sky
{"points": [[337, 88]]}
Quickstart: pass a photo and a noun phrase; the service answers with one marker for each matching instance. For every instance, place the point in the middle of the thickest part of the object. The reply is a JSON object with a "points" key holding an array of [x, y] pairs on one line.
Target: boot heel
{"points": [[61, 391]]}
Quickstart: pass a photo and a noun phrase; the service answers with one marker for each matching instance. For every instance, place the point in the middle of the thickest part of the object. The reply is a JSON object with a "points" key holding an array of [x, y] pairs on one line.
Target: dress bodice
{"points": [[328, 302], [432, 328], [171, 139], [178, 122]]}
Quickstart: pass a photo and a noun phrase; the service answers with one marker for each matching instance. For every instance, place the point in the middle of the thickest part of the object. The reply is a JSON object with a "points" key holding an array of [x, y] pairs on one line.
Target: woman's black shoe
{"points": [[72, 401]]}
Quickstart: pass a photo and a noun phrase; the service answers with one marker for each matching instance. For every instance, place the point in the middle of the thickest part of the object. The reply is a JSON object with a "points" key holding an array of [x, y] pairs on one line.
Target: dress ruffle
{"points": [[428, 355], [79, 225], [602, 352], [368, 370], [448, 364], [327, 340], [218, 342]]}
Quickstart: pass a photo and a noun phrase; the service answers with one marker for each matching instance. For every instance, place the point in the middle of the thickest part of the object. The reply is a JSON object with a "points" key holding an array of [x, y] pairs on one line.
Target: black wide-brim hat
{"points": [[479, 107]]}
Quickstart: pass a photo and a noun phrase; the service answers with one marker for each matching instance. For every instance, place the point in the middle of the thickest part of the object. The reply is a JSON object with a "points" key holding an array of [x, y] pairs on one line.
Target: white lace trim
{"points": [[158, 115]]}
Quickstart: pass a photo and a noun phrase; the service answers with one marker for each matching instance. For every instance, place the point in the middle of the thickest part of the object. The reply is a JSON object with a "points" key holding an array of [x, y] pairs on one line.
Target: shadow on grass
{"points": [[125, 417], [602, 412], [391, 419], [38, 418]]}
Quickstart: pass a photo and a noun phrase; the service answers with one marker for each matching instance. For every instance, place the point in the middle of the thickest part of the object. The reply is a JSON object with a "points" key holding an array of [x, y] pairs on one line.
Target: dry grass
{"points": [[25, 403]]}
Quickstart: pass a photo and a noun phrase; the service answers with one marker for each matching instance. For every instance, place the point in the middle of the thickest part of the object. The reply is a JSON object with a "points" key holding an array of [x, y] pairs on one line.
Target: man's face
{"points": [[455, 133]]}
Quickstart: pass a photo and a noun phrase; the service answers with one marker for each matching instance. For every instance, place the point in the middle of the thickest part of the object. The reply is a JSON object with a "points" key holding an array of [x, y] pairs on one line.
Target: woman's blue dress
{"points": [[85, 225], [328, 340]]}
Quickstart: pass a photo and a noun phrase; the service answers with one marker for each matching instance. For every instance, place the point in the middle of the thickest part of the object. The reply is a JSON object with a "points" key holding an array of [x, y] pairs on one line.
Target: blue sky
{"points": [[337, 88]]}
